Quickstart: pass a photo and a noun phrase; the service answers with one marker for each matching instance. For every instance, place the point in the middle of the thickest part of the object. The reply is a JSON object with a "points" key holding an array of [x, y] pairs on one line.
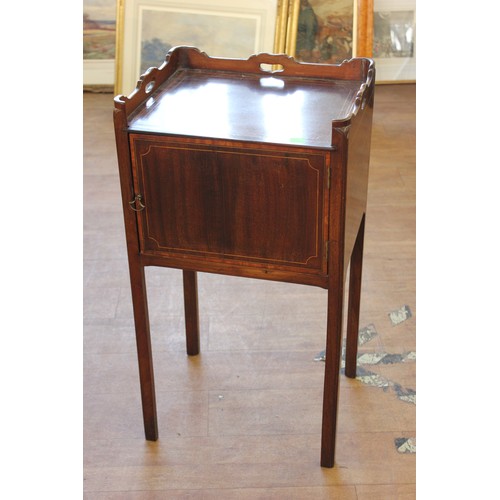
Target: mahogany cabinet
{"points": [[254, 168]]}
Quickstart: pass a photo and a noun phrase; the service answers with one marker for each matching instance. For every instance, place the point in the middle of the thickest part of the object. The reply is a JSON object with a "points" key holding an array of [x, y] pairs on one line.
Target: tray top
{"points": [[194, 95], [264, 109]]}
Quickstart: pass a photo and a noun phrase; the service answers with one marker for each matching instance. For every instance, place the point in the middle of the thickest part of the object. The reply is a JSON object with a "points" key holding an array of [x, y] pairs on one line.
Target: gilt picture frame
{"points": [[324, 31]]}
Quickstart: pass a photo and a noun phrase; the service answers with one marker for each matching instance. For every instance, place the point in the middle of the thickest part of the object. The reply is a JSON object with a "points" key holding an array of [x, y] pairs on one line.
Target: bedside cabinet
{"points": [[254, 168]]}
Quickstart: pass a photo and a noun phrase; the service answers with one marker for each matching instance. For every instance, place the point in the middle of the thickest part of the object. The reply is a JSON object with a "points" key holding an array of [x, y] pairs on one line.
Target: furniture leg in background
{"points": [[354, 303], [191, 312]]}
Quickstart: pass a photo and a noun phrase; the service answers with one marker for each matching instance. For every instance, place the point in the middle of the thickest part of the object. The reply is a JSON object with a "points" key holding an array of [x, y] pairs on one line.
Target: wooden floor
{"points": [[243, 419]]}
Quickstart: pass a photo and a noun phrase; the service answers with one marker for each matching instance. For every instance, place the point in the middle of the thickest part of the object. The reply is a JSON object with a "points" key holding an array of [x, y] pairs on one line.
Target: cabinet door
{"points": [[239, 206]]}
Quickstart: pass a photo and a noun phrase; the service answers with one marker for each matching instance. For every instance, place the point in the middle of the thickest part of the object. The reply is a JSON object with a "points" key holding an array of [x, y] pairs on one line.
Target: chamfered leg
{"points": [[144, 352], [354, 303], [332, 370]]}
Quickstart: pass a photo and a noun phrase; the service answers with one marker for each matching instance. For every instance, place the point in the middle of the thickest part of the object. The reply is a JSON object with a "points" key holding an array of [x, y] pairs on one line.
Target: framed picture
{"points": [[99, 35], [319, 31], [148, 29], [394, 40]]}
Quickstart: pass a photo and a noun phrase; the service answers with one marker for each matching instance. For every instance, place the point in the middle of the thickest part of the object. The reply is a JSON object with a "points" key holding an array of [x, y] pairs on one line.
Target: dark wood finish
{"points": [[228, 168]]}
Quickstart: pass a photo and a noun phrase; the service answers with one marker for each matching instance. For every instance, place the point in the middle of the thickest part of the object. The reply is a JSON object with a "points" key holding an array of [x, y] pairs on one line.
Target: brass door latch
{"points": [[137, 201]]}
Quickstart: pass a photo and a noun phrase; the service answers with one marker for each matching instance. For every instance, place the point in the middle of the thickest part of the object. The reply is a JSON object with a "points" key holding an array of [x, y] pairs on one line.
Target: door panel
{"points": [[234, 205]]}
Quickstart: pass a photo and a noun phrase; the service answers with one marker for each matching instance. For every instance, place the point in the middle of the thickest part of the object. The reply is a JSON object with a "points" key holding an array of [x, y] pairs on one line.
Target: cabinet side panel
{"points": [[359, 137]]}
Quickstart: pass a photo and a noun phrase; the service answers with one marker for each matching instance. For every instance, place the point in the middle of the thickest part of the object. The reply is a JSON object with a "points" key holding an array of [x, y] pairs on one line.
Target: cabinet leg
{"points": [[354, 303], [144, 352], [332, 370], [191, 312]]}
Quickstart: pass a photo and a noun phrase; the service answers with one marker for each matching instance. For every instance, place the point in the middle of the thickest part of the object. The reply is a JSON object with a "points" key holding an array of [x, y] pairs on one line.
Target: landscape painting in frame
{"points": [[324, 31], [148, 29], [218, 34], [99, 29]]}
